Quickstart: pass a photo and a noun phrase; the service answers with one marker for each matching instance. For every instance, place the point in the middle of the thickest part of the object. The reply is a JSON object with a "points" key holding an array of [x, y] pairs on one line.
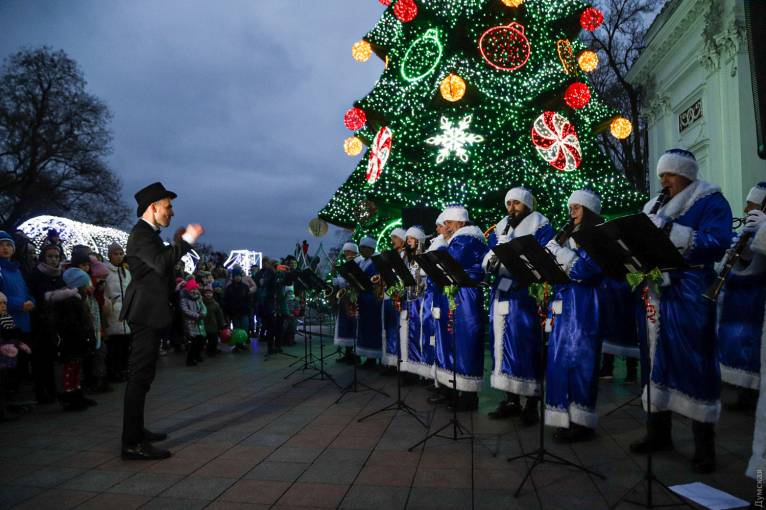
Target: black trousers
{"points": [[117, 355], [145, 349]]}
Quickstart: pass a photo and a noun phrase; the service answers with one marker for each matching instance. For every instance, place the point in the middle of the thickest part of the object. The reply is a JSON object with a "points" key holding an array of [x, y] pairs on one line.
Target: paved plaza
{"points": [[244, 438]]}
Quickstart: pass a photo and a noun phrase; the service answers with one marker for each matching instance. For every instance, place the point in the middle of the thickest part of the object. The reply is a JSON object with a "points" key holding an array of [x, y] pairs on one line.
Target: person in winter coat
{"points": [[117, 331], [236, 300], [12, 284], [77, 339], [214, 321], [193, 311], [9, 350], [96, 374], [47, 287]]}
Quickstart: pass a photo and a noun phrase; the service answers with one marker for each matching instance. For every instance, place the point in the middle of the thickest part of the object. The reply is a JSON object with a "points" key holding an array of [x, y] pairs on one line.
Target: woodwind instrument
{"points": [[731, 260]]}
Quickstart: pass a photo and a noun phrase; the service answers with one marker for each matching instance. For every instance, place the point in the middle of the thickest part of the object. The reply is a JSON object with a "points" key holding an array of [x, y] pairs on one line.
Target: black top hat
{"points": [[150, 194]]}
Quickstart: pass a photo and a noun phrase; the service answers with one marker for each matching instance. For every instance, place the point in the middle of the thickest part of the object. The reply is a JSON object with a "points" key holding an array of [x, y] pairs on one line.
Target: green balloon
{"points": [[239, 336]]}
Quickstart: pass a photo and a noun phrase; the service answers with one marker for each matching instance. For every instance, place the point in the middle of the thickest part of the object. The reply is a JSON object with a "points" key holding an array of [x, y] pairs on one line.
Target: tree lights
{"points": [[591, 18], [405, 10], [355, 119], [352, 146], [433, 143], [361, 51], [621, 128]]}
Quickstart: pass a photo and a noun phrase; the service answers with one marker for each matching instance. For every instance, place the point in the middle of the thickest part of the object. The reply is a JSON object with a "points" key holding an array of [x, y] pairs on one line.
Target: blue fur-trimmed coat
{"points": [[434, 321], [574, 344], [758, 458], [740, 321], [513, 315], [345, 326], [463, 348], [680, 348]]}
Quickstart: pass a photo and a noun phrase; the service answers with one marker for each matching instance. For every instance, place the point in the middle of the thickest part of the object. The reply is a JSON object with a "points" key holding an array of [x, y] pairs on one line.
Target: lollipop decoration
{"points": [[556, 141], [379, 154]]}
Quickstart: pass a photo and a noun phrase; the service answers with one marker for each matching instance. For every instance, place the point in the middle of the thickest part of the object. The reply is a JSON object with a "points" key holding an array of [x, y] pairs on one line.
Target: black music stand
{"points": [[445, 271], [393, 270], [356, 278], [529, 263], [308, 357], [630, 244], [312, 283]]}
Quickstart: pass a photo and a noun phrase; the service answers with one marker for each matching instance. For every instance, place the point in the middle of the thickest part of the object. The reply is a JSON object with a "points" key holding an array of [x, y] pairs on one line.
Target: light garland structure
{"points": [[245, 259], [72, 233], [516, 62]]}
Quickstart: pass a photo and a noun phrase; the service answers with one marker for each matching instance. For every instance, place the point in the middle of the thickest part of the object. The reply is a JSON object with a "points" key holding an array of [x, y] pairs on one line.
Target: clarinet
{"points": [[565, 232], [731, 260], [662, 199]]}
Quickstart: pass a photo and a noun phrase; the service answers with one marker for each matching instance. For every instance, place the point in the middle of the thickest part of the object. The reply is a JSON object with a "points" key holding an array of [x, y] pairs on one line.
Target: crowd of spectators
{"points": [[60, 327]]}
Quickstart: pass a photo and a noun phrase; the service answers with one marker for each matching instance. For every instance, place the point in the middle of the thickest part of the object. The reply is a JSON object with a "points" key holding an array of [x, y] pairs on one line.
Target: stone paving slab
{"points": [[244, 438]]}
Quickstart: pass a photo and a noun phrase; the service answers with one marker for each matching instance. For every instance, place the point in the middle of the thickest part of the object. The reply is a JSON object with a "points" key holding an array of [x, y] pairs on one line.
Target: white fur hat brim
{"points": [[368, 242], [350, 247], [400, 233], [522, 195], [679, 164], [417, 233], [756, 195], [586, 199], [440, 219], [455, 213]]}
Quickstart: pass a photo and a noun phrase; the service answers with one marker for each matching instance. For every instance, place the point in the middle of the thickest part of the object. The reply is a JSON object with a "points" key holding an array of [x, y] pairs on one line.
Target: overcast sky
{"points": [[237, 105]]}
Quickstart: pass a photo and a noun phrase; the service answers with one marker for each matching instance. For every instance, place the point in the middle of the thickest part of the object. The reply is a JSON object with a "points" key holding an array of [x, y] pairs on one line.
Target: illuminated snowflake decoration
{"points": [[454, 139]]}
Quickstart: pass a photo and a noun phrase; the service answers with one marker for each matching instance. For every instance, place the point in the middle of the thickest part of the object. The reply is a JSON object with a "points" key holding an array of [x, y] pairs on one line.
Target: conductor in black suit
{"points": [[147, 309]]}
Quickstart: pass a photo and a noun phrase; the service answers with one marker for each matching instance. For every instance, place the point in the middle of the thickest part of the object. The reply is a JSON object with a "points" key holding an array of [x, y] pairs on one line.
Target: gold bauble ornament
{"points": [[453, 88]]}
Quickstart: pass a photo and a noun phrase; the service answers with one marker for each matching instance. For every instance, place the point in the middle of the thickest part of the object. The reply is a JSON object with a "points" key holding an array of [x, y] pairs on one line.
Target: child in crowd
{"points": [[77, 339], [10, 345], [194, 311], [214, 321], [97, 380]]}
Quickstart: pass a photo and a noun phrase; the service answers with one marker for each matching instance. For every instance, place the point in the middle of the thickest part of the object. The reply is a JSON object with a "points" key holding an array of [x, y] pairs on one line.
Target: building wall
{"points": [[696, 54]]}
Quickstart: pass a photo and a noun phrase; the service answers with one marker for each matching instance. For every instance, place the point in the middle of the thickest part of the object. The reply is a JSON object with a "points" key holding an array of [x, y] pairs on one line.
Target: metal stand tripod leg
{"points": [[354, 385], [322, 373]]}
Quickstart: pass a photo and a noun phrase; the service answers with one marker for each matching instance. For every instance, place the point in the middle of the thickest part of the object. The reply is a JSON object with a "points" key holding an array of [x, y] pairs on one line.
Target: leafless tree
{"points": [[54, 138], [618, 42]]}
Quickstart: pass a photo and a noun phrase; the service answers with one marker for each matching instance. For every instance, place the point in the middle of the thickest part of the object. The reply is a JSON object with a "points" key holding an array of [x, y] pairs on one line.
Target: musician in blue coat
{"points": [[513, 315], [574, 345], [417, 357], [370, 332], [740, 317], [680, 352], [391, 348], [464, 342], [434, 321], [345, 324]]}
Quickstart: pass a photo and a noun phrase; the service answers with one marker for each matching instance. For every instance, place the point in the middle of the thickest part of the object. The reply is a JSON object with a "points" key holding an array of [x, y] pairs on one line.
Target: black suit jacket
{"points": [[151, 263]]}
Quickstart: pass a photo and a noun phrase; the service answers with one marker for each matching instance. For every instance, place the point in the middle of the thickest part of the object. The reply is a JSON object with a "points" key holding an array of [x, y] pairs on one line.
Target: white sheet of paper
{"points": [[708, 497]]}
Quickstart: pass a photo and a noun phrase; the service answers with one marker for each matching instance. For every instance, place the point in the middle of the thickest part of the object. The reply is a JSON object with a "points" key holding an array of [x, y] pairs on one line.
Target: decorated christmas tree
{"points": [[478, 96]]}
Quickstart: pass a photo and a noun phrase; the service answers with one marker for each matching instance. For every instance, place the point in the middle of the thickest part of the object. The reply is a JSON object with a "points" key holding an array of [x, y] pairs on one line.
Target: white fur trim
{"points": [[471, 231], [522, 195], [739, 377], [416, 232], [400, 233], [668, 399], [368, 353], [436, 243], [350, 247], [756, 195], [677, 164], [464, 382], [682, 237], [566, 258], [586, 199], [440, 219], [368, 242], [500, 380], [683, 201], [455, 213], [339, 340], [581, 415]]}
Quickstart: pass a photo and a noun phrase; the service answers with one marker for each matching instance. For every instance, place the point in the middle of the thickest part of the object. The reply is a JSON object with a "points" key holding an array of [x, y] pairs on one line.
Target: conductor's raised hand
{"points": [[193, 232]]}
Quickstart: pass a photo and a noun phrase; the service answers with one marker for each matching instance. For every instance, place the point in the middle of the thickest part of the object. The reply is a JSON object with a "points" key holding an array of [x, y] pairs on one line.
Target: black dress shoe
{"points": [[143, 451], [438, 399], [154, 437]]}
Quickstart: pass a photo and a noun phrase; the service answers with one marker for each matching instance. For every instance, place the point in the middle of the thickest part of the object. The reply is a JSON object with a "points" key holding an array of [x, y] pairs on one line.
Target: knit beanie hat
{"points": [[191, 285], [98, 269], [3, 297], [6, 237], [399, 232], [678, 162], [76, 278], [416, 232], [586, 198], [757, 193], [350, 247], [237, 271], [80, 255], [522, 195], [455, 213], [113, 248]]}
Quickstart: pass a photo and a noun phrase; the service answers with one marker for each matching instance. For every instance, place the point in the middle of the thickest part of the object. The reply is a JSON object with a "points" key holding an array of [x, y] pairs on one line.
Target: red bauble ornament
{"points": [[385, 2], [591, 18], [405, 10], [355, 119], [556, 141], [577, 95], [505, 48]]}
